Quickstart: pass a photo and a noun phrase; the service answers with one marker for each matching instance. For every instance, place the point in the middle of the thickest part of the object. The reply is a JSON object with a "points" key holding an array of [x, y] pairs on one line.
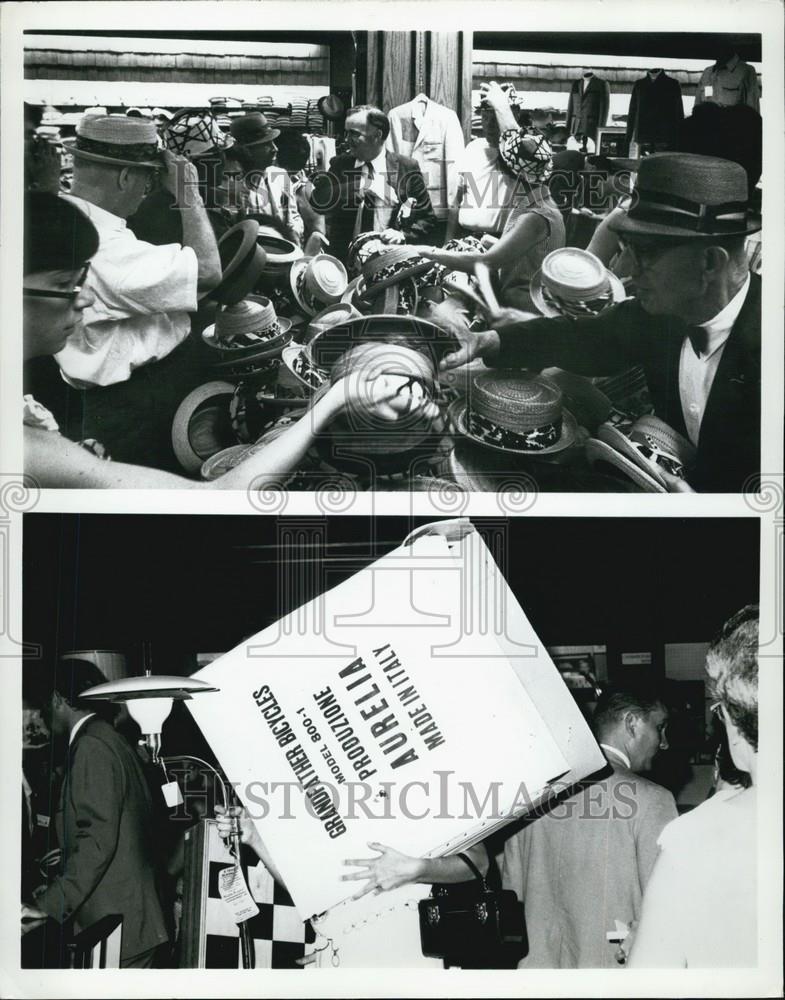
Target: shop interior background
{"points": [[70, 71], [612, 599]]}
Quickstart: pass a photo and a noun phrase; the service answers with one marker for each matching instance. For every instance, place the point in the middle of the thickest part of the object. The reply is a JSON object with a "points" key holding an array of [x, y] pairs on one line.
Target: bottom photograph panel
{"points": [[260, 742]]}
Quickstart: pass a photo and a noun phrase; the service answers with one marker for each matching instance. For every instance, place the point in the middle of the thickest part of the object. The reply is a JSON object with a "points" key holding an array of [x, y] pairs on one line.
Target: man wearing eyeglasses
{"points": [[694, 324], [141, 294], [370, 188]]}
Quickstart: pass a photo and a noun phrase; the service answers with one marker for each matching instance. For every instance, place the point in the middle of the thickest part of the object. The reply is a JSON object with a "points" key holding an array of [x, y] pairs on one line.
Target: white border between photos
{"points": [[764, 16]]}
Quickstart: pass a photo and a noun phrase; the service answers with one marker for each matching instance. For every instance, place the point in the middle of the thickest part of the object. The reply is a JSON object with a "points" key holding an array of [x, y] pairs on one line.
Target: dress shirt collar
{"points": [[379, 164], [719, 327], [617, 753], [98, 216], [78, 726]]}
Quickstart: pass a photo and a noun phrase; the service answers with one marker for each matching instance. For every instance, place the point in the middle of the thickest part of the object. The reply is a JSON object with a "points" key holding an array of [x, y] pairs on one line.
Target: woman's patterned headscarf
{"points": [[526, 154]]}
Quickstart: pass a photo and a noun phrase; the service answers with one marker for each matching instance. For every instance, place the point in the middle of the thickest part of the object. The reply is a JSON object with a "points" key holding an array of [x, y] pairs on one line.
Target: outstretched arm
{"points": [[391, 869]]}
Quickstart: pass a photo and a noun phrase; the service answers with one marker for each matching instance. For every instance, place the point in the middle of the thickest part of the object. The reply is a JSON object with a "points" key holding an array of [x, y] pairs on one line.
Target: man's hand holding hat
{"points": [[180, 179]]}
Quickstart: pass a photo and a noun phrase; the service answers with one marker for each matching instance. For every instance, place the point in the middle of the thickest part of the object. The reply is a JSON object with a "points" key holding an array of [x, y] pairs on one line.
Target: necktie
{"points": [[365, 210], [699, 338]]}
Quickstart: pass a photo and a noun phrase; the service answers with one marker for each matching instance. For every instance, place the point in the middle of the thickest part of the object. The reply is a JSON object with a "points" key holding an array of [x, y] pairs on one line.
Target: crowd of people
{"points": [[608, 872], [134, 275]]}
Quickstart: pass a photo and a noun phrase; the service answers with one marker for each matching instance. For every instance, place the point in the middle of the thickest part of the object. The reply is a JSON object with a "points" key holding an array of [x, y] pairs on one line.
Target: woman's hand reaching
{"points": [[389, 870], [388, 395]]}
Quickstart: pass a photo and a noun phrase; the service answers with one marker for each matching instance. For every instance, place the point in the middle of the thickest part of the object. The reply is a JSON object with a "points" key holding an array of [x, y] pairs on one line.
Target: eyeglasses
{"points": [[52, 293], [646, 255]]}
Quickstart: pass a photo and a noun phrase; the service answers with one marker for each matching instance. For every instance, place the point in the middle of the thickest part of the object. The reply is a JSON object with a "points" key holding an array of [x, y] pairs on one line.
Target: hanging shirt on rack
{"points": [[432, 136], [734, 83]]}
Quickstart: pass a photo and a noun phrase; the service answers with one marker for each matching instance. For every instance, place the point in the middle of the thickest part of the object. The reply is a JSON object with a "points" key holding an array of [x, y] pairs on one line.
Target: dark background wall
{"points": [[200, 583]]}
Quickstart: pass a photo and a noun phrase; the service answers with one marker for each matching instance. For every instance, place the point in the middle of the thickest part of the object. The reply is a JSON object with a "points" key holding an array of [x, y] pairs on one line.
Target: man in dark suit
{"points": [[370, 188], [104, 825], [694, 324]]}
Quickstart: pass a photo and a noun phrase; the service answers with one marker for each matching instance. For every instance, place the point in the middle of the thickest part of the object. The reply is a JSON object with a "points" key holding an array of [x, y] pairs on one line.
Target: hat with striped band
{"points": [[515, 411], [117, 140], [573, 282], [688, 196], [650, 446]]}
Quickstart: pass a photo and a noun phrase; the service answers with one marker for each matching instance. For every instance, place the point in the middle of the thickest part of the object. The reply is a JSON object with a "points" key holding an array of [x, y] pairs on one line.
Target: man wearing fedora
{"points": [[371, 188], [266, 189], [694, 324], [142, 294]]}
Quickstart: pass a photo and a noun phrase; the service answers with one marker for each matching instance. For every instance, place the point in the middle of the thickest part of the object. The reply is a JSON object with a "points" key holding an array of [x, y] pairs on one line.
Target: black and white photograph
{"points": [[393, 258], [391, 549], [297, 744]]}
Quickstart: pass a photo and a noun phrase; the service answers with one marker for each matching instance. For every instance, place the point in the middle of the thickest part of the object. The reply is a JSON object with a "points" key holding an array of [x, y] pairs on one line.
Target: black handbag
{"points": [[471, 925]]}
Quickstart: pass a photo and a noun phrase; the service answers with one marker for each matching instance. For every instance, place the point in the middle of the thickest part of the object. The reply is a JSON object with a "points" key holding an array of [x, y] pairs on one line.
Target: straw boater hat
{"points": [[387, 281], [329, 345], [242, 263], [647, 449], [338, 312], [194, 133], [202, 424], [298, 361], [688, 196], [317, 282], [117, 140], [573, 282], [516, 412], [249, 326]]}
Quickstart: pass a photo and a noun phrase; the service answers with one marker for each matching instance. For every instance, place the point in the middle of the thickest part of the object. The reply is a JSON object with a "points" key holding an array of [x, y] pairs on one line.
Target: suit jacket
{"points": [[588, 109], [105, 827], [585, 865], [656, 110], [626, 335], [335, 194], [436, 146]]}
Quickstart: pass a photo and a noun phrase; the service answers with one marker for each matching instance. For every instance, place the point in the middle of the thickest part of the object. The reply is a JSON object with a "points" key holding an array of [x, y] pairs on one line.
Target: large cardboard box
{"points": [[412, 705]]}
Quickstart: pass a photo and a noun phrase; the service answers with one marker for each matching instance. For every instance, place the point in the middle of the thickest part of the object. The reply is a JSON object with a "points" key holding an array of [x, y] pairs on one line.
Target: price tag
{"points": [[172, 795], [708, 91], [42, 820], [234, 892]]}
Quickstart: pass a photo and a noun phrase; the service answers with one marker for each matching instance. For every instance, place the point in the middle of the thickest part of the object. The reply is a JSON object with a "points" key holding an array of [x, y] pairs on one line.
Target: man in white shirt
{"points": [[142, 293], [694, 324]]}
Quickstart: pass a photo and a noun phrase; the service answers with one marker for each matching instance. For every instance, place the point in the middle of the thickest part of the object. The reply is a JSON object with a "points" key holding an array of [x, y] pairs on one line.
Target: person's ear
{"points": [[715, 261], [631, 724], [123, 178]]}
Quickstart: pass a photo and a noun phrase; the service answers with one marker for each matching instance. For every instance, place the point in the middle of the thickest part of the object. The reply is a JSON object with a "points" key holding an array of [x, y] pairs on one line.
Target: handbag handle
{"points": [[473, 868]]}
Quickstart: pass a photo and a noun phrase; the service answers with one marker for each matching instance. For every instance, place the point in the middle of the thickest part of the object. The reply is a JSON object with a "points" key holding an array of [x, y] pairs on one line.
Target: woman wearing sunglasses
{"points": [[59, 242]]}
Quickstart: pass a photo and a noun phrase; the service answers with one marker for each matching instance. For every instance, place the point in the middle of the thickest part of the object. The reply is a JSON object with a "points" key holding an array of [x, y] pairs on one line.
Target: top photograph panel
{"points": [[394, 260]]}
